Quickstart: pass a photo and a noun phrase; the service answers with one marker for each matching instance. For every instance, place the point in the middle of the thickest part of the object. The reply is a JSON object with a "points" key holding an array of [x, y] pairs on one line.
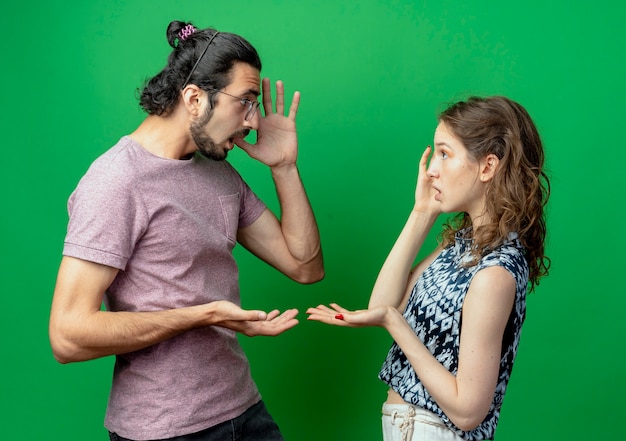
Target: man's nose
{"points": [[252, 123]]}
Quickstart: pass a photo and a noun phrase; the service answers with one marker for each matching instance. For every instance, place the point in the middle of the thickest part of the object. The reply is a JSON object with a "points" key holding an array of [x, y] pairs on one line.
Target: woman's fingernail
{"points": [[339, 316]]}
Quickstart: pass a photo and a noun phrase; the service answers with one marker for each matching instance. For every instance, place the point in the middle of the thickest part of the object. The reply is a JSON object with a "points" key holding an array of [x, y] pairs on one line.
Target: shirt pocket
{"points": [[230, 211]]}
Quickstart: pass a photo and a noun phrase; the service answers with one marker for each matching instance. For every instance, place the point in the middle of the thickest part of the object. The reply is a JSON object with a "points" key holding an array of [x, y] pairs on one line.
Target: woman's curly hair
{"points": [[517, 196]]}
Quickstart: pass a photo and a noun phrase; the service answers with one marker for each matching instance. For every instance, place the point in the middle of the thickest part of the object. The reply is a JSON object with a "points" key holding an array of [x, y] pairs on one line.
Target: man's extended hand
{"points": [[253, 323]]}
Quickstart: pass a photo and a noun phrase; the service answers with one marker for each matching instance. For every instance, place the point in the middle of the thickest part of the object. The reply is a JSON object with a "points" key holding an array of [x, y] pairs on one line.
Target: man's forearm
{"points": [[297, 219]]}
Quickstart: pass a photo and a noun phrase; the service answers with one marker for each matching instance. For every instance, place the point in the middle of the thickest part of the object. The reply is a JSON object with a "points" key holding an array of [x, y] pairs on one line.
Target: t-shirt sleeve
{"points": [[105, 219], [251, 206]]}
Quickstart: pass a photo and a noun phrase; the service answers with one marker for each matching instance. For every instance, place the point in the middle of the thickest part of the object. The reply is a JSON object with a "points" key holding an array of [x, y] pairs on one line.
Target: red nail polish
{"points": [[339, 316]]}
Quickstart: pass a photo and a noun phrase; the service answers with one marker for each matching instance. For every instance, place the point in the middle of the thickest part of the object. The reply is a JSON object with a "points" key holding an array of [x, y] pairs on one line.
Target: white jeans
{"points": [[403, 422]]}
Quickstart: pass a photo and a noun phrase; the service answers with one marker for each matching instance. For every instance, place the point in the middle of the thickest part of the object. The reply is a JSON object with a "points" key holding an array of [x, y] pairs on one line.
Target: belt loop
{"points": [[394, 415]]}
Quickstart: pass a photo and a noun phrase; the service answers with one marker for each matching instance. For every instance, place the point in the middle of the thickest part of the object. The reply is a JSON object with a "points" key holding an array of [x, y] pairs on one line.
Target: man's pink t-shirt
{"points": [[170, 227]]}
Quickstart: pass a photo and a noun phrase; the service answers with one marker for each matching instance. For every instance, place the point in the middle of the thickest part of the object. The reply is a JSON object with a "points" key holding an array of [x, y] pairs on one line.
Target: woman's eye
{"points": [[444, 155]]}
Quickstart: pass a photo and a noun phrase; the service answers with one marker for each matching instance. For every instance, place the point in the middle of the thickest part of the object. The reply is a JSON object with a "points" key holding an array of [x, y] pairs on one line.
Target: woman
{"points": [[456, 316]]}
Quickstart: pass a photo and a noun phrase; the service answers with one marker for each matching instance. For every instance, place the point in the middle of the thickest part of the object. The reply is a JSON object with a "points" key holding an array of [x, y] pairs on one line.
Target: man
{"points": [[151, 232]]}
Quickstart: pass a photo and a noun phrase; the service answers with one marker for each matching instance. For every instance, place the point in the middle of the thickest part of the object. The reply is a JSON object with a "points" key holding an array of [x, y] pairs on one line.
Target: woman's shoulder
{"points": [[511, 256]]}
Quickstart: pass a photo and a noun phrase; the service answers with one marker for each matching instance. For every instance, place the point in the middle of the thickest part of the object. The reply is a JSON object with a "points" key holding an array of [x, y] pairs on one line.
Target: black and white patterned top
{"points": [[434, 312]]}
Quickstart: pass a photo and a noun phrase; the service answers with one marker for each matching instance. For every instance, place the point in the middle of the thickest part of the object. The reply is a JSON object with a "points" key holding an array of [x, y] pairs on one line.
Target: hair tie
{"points": [[186, 32]]}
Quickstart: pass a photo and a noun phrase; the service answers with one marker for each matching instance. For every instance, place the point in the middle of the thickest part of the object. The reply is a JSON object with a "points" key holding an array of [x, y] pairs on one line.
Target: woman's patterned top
{"points": [[434, 312]]}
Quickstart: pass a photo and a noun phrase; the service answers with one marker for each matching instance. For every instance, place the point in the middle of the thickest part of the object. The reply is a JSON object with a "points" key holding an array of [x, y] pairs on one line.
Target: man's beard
{"points": [[206, 145]]}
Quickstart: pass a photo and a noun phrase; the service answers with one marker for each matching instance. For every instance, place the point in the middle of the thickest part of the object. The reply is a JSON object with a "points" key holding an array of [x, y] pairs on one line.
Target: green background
{"points": [[372, 76]]}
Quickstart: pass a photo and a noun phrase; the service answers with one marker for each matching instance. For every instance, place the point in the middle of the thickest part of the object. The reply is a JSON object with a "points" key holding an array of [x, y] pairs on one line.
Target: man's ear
{"points": [[488, 166], [191, 96]]}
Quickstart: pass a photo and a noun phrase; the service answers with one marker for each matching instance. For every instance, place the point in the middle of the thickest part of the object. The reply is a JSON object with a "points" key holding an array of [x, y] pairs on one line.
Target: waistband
{"points": [[405, 415]]}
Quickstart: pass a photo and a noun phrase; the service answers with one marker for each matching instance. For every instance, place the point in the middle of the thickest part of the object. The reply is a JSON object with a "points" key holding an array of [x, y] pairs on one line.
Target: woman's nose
{"points": [[431, 171]]}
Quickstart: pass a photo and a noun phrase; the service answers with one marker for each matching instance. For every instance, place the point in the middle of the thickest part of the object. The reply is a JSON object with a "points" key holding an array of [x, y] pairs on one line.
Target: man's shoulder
{"points": [[118, 163], [117, 155]]}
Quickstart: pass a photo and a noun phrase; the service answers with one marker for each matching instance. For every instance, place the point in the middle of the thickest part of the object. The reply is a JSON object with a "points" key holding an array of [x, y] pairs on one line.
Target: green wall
{"points": [[372, 76]]}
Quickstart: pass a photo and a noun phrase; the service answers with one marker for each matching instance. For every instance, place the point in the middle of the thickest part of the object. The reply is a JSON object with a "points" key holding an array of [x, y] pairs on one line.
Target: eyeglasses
{"points": [[251, 106]]}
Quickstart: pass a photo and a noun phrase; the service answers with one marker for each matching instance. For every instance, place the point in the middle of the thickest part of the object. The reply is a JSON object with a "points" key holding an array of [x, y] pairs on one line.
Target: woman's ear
{"points": [[488, 166]]}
